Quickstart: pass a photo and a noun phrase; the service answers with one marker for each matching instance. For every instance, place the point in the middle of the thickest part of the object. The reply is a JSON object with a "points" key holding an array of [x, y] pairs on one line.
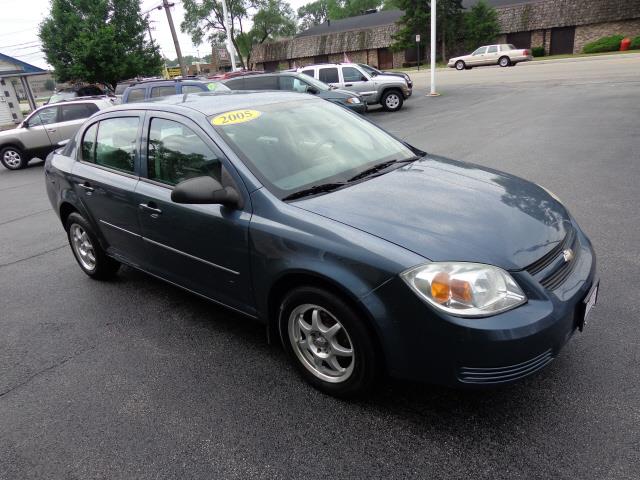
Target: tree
{"points": [[98, 41], [313, 13], [480, 25], [320, 11]]}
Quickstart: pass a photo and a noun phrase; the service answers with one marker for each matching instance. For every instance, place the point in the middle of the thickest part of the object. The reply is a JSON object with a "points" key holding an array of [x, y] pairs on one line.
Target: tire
{"points": [[85, 247], [460, 65], [13, 158], [392, 100], [328, 342], [504, 62]]}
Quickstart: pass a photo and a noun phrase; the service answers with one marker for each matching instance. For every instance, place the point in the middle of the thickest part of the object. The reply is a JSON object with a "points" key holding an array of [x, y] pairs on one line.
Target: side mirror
{"points": [[24, 124], [205, 190], [312, 90]]}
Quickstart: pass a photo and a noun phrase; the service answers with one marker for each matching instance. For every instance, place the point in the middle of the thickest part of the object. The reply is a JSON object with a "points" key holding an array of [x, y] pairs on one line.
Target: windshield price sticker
{"points": [[236, 116]]}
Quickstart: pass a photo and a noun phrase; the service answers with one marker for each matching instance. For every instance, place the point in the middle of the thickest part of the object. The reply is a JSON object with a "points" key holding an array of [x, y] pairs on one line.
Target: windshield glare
{"points": [[292, 146], [323, 87], [368, 69], [58, 97]]}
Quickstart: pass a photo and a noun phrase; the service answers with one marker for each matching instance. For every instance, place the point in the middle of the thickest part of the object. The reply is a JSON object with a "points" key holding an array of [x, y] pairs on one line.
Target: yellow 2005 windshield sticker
{"points": [[235, 116]]}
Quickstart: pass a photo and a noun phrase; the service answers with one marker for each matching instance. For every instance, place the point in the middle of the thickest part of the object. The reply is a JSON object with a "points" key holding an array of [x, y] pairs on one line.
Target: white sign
{"points": [[418, 38]]}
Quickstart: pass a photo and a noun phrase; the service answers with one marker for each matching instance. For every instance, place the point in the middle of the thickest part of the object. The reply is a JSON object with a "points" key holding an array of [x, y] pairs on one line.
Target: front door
{"points": [[478, 57], [200, 247], [104, 180], [40, 127], [356, 81]]}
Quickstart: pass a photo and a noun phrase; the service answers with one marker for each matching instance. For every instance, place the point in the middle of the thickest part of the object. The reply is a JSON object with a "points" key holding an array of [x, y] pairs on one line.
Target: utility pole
{"points": [[149, 30], [167, 6], [225, 24], [433, 49]]}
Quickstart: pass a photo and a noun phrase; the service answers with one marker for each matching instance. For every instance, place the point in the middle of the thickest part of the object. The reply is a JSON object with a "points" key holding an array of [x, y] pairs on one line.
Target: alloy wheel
{"points": [[321, 343], [83, 247], [12, 158], [392, 101]]}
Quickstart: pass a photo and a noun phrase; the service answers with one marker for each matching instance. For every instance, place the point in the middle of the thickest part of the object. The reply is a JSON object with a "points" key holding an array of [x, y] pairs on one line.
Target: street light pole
{"points": [[183, 67], [225, 24], [433, 49]]}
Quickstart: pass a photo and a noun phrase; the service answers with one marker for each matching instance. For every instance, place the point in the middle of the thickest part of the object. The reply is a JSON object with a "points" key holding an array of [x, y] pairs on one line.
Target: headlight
{"points": [[354, 100], [465, 289]]}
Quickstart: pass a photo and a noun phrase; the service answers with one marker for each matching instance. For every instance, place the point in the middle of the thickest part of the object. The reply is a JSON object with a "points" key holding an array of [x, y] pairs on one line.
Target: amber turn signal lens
{"points": [[440, 290], [461, 291]]}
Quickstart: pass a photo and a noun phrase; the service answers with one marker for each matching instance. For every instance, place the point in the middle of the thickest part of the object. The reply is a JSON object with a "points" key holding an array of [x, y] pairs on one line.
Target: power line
{"points": [[18, 44]]}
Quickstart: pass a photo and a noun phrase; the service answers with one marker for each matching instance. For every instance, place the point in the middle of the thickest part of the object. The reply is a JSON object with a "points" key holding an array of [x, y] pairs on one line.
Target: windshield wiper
{"points": [[321, 188], [379, 167]]}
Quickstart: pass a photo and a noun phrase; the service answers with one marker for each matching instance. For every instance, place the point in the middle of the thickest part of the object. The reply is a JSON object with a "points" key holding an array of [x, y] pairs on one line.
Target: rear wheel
{"points": [[460, 65], [392, 100], [328, 342], [13, 158], [504, 62], [85, 247]]}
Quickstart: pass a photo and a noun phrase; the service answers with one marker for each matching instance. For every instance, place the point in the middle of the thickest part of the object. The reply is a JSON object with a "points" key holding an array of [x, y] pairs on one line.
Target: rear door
{"points": [[204, 248], [492, 55], [104, 179], [329, 75], [71, 117]]}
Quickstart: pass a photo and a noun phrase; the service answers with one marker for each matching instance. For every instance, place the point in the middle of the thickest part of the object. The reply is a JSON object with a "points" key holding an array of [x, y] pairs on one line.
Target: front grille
{"points": [[558, 274], [493, 375], [542, 263]]}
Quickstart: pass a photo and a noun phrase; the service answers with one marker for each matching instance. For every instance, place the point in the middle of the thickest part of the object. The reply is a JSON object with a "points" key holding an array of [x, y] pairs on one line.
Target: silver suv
{"points": [[388, 90], [43, 130]]}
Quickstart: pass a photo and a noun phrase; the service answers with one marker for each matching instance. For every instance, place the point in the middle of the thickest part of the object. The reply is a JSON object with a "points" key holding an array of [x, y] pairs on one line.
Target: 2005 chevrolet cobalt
{"points": [[361, 253]]}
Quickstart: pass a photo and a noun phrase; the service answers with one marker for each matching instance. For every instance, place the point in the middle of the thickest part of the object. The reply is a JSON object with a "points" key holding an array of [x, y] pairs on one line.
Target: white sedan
{"points": [[504, 55]]}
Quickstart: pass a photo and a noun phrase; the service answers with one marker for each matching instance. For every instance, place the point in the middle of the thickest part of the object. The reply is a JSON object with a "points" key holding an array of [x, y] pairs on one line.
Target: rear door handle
{"points": [[151, 207]]}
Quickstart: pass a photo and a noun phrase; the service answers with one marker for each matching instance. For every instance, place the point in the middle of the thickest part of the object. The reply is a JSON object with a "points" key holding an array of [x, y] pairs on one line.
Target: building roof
{"points": [[495, 3], [369, 20], [24, 66]]}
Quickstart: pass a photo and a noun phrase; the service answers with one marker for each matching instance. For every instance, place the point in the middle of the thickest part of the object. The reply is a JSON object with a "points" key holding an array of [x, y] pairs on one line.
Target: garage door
{"points": [[519, 39], [385, 59], [562, 40]]}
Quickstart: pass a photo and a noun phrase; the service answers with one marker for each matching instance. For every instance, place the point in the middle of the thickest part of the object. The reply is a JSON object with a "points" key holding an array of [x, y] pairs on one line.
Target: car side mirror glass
{"points": [[205, 190]]}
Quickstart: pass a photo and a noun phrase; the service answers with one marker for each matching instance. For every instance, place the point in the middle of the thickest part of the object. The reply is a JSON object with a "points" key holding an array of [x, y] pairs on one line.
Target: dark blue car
{"points": [[362, 254]]}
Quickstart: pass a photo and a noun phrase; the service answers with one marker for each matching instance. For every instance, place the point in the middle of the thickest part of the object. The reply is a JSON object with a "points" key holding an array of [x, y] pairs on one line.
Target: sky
{"points": [[19, 22]]}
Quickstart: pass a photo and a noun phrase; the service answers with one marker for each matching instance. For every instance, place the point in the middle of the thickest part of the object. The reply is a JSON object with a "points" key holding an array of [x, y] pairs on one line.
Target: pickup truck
{"points": [[505, 55]]}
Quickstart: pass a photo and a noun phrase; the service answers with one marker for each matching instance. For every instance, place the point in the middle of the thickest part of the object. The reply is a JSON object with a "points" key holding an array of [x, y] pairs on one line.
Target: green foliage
{"points": [[635, 43], [480, 25], [537, 51], [98, 41], [313, 13], [604, 44], [320, 11]]}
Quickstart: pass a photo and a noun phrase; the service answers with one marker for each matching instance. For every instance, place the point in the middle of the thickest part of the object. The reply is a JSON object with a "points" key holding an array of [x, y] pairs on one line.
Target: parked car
{"points": [[360, 253], [297, 82], [81, 91], [504, 55], [388, 90], [147, 89], [43, 130], [374, 72], [237, 73]]}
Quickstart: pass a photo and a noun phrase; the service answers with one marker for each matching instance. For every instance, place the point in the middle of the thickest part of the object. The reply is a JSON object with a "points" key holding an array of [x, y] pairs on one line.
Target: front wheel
{"points": [[392, 101], [328, 342], [460, 65], [504, 62], [89, 254], [13, 158]]}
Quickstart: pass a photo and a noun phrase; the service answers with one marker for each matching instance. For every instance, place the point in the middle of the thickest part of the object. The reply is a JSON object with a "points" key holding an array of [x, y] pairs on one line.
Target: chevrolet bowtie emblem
{"points": [[567, 255]]}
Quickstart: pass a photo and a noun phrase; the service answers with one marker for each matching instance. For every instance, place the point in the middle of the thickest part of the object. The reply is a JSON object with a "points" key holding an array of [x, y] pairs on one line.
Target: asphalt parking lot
{"points": [[137, 379]]}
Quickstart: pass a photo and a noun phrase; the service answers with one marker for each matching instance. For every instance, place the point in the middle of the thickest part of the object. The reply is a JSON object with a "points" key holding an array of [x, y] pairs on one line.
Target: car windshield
{"points": [[60, 96], [370, 70], [323, 87], [291, 146]]}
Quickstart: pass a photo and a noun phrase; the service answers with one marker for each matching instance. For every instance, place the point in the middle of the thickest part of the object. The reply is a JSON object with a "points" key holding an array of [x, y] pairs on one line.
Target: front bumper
{"points": [[421, 344], [356, 107]]}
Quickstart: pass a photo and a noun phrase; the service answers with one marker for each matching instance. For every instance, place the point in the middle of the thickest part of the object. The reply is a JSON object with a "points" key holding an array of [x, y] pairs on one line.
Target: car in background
{"points": [[388, 90], [374, 72], [504, 54], [297, 82], [146, 89], [360, 253], [81, 91], [237, 73], [44, 130]]}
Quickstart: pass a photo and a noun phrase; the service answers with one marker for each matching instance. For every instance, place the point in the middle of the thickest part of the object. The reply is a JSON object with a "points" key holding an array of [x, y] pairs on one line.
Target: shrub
{"points": [[537, 51], [635, 43], [604, 44]]}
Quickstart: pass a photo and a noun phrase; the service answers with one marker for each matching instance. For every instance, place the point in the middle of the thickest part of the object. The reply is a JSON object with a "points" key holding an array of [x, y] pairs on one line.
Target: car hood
{"points": [[445, 210], [384, 78]]}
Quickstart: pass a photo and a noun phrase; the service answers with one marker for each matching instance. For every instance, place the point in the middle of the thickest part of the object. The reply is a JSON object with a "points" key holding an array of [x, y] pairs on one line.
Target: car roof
{"points": [[94, 99], [262, 74], [169, 81], [210, 103]]}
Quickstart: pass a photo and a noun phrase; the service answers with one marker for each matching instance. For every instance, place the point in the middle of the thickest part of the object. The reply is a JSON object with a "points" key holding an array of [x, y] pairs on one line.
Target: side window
{"points": [[329, 75], [88, 150], [308, 72], [77, 111], [493, 49], [193, 89], [260, 82], [286, 82], [136, 95], [352, 74], [176, 153], [480, 51], [116, 143], [235, 84], [163, 91], [46, 116]]}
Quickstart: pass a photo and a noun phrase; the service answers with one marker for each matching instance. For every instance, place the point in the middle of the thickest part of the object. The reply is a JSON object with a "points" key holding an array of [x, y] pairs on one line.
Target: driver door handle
{"points": [[87, 187], [151, 207], [348, 84], [51, 130]]}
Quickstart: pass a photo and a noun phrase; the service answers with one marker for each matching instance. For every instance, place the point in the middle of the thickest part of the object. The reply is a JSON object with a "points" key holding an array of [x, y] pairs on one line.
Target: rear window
{"points": [[507, 46], [77, 111], [135, 95], [308, 72]]}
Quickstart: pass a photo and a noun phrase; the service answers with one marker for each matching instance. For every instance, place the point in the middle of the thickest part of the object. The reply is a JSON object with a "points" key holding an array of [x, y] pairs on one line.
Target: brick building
{"points": [[561, 26]]}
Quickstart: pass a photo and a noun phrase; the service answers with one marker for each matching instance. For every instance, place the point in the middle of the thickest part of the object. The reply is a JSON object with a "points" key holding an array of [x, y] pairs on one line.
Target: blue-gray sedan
{"points": [[362, 254]]}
